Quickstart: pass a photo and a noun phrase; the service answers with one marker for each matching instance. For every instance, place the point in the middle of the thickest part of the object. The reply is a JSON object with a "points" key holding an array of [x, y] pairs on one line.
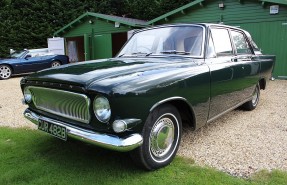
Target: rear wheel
{"points": [[5, 72], [55, 64], [162, 135], [252, 104]]}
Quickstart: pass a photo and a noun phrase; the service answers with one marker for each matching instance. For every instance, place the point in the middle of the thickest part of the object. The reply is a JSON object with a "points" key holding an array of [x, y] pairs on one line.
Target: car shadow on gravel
{"points": [[76, 155]]}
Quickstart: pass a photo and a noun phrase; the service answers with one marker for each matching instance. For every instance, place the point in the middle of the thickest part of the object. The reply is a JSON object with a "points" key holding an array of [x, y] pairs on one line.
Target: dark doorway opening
{"points": [[118, 40], [75, 49]]}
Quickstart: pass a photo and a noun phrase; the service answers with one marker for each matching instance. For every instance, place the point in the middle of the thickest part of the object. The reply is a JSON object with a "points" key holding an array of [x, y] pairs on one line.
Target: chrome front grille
{"points": [[62, 103]]}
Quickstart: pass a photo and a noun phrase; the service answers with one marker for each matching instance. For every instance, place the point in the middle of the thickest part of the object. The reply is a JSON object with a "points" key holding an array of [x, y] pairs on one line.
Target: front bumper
{"points": [[107, 141]]}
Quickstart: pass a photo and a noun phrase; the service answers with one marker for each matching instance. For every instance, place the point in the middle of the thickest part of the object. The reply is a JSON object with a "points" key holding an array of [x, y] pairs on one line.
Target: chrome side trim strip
{"points": [[228, 110], [107, 141]]}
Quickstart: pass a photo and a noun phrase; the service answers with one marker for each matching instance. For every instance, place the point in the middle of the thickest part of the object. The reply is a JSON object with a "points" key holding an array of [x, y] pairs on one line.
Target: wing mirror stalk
{"points": [[27, 56], [234, 59]]}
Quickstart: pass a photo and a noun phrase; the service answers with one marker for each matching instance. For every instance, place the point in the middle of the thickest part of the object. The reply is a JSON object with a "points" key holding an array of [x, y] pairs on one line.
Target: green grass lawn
{"points": [[33, 157]]}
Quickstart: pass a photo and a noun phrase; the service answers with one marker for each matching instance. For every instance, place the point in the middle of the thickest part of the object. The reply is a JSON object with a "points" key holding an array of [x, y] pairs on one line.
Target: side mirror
{"points": [[27, 56]]}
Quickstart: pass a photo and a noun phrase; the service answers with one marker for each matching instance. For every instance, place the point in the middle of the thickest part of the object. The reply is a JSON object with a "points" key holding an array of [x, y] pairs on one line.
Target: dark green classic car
{"points": [[137, 102]]}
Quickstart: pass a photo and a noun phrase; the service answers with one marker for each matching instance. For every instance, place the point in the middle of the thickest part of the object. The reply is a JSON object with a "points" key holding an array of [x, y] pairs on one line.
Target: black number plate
{"points": [[55, 130]]}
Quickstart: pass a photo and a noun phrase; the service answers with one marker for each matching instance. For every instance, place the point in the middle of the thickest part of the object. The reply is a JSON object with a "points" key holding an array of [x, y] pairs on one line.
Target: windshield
{"points": [[18, 54], [182, 40]]}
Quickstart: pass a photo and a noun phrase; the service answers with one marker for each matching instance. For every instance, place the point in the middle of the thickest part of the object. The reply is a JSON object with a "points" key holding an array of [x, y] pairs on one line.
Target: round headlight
{"points": [[102, 109], [27, 95]]}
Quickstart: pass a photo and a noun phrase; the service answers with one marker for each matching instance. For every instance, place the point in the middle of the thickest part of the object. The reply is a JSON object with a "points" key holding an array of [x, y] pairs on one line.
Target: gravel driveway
{"points": [[11, 107], [239, 143]]}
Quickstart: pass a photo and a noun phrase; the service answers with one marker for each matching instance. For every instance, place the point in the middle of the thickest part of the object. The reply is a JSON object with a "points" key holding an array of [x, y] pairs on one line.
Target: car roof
{"points": [[190, 24]]}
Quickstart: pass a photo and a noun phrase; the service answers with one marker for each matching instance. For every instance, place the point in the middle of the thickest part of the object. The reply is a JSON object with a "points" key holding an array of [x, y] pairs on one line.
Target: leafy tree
{"points": [[150, 9], [28, 23]]}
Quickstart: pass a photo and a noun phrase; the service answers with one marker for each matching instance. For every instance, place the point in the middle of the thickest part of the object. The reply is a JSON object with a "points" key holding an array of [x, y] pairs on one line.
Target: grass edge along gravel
{"points": [[33, 157]]}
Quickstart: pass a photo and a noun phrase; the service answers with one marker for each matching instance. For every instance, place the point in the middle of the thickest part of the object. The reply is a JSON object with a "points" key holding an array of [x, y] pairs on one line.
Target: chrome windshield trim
{"points": [[201, 56], [103, 140]]}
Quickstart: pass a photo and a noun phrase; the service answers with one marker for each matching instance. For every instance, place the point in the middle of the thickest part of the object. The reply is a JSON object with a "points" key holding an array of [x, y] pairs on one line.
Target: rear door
{"points": [[249, 63]]}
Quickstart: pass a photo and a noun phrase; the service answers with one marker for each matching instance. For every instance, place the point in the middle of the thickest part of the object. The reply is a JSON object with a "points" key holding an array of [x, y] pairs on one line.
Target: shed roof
{"points": [[193, 3], [122, 20], [284, 2]]}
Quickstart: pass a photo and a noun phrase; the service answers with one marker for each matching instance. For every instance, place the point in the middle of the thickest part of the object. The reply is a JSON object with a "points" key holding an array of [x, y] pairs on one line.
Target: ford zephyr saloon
{"points": [[164, 77]]}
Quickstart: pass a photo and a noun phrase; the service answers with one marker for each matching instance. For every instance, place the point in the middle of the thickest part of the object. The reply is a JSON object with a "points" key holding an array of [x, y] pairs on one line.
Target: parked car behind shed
{"points": [[27, 61]]}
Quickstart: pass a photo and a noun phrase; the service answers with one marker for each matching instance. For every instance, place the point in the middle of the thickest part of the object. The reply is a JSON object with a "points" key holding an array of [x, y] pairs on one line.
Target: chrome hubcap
{"points": [[5, 72], [55, 64], [162, 137]]}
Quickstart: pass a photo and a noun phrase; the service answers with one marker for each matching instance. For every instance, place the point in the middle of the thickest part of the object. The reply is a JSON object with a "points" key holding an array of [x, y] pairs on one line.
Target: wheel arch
{"points": [[262, 83], [184, 108], [9, 65], [57, 60]]}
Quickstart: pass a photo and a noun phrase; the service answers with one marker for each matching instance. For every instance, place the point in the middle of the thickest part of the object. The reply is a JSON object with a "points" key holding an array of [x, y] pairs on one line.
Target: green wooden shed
{"points": [[96, 36], [266, 20]]}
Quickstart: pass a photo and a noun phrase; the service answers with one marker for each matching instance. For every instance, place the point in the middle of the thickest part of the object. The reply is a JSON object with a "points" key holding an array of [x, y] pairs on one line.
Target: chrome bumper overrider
{"points": [[111, 142]]}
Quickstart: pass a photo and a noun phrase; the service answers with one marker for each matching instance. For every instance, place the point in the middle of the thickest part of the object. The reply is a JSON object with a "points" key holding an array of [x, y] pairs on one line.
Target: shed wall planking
{"points": [[271, 38], [233, 12], [99, 26]]}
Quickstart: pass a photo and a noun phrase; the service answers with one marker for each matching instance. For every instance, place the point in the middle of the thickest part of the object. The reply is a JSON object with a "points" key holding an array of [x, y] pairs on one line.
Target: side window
{"points": [[221, 41], [240, 43]]}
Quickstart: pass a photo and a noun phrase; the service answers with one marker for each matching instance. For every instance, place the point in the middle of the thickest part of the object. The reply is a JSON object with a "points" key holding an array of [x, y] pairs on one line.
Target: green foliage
{"points": [[34, 157], [28, 23], [150, 9], [271, 178]]}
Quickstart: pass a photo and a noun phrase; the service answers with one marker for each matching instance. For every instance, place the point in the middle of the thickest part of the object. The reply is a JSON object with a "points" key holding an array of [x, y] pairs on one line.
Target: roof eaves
{"points": [[174, 11], [284, 2], [102, 16], [70, 24], [114, 19]]}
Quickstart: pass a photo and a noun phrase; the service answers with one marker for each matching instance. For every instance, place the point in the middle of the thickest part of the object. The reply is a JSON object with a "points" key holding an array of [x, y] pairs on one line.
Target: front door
{"points": [[30, 64]]}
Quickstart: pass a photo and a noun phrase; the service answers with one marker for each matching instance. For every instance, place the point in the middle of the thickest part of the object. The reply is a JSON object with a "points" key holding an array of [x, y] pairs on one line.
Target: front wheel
{"points": [[162, 135], [252, 104], [5, 72]]}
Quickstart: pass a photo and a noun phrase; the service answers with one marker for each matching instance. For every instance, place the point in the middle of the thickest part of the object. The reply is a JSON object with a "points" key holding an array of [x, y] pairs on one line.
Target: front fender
{"points": [[195, 91]]}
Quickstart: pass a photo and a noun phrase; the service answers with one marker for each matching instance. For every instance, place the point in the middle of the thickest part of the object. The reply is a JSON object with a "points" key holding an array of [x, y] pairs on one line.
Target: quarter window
{"points": [[210, 50], [240, 43], [221, 41]]}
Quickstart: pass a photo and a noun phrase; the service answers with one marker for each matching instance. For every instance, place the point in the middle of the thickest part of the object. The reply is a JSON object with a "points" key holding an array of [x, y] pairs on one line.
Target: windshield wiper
{"points": [[121, 55], [135, 54], [141, 53], [175, 52]]}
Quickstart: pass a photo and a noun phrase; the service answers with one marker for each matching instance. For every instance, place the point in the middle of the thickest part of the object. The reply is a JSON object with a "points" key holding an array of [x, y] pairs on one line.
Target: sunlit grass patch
{"points": [[33, 157]]}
